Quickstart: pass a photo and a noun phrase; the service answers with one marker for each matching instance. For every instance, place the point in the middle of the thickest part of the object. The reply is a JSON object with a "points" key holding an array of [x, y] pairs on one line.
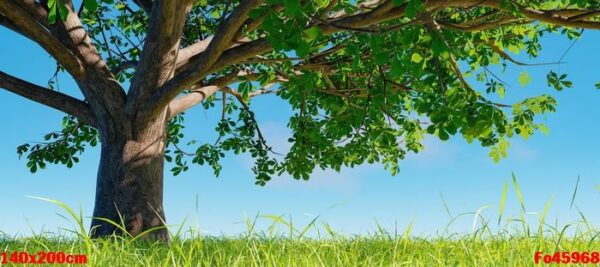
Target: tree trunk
{"points": [[129, 188]]}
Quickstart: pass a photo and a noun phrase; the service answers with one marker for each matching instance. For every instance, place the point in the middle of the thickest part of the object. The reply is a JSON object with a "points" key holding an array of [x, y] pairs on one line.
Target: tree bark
{"points": [[129, 188]]}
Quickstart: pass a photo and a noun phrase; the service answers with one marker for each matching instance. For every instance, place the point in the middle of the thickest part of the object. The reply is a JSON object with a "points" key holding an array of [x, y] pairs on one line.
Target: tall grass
{"points": [[513, 241]]}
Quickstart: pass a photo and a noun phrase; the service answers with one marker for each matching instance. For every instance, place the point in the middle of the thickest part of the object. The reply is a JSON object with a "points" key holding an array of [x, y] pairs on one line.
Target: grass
{"points": [[503, 242], [264, 251]]}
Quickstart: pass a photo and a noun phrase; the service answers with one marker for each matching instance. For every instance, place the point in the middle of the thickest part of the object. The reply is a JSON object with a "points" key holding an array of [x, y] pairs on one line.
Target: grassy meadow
{"points": [[498, 241]]}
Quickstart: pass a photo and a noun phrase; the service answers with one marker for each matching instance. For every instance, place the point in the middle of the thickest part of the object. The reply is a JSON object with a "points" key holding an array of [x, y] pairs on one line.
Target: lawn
{"points": [[498, 241], [468, 250]]}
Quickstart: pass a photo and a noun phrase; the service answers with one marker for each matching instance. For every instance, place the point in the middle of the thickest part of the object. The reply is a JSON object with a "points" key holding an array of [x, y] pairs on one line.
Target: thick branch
{"points": [[21, 19], [186, 53], [36, 10], [157, 63], [102, 91], [50, 98], [68, 42], [196, 96], [250, 49], [222, 40], [196, 70], [4, 21], [200, 92], [250, 25], [549, 17], [245, 51]]}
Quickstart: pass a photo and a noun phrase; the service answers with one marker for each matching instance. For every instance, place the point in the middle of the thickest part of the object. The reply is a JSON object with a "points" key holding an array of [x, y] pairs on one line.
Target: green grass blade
{"points": [[78, 219], [502, 201], [445, 205], [575, 191], [518, 191], [478, 215], [544, 214], [407, 232], [307, 227]]}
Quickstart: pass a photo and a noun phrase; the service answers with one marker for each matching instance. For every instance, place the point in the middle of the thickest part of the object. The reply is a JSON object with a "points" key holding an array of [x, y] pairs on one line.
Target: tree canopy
{"points": [[367, 80]]}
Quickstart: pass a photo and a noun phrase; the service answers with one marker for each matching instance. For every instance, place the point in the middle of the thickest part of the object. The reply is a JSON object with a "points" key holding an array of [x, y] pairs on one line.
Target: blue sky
{"points": [[350, 201]]}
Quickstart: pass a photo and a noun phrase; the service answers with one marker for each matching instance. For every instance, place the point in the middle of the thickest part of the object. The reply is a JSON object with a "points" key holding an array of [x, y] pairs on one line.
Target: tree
{"points": [[366, 80]]}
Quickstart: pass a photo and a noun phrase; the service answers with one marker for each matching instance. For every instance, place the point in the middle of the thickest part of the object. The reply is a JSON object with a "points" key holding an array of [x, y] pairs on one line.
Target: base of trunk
{"points": [[129, 190]]}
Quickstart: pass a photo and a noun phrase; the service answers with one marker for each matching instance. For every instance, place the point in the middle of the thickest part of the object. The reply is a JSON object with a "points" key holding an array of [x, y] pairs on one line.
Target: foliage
{"points": [[361, 95], [61, 147]]}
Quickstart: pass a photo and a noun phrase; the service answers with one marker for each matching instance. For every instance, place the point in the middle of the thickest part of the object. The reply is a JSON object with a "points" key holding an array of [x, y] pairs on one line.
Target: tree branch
{"points": [[36, 10], [196, 69], [186, 54], [4, 21], [125, 65], [30, 28], [549, 17], [102, 91], [157, 63], [200, 92], [47, 97], [196, 96], [222, 40]]}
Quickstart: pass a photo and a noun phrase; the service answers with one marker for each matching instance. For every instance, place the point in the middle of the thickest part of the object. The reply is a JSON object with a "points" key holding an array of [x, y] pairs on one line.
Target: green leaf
{"points": [[413, 8], [322, 3], [501, 92], [365, 88], [558, 82], [313, 33], [292, 7], [443, 135], [439, 47], [52, 11], [495, 154], [524, 79], [544, 129], [90, 5], [416, 58], [63, 11]]}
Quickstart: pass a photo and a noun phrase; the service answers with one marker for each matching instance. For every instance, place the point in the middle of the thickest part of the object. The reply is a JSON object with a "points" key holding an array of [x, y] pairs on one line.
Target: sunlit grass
{"points": [[498, 241], [355, 251]]}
